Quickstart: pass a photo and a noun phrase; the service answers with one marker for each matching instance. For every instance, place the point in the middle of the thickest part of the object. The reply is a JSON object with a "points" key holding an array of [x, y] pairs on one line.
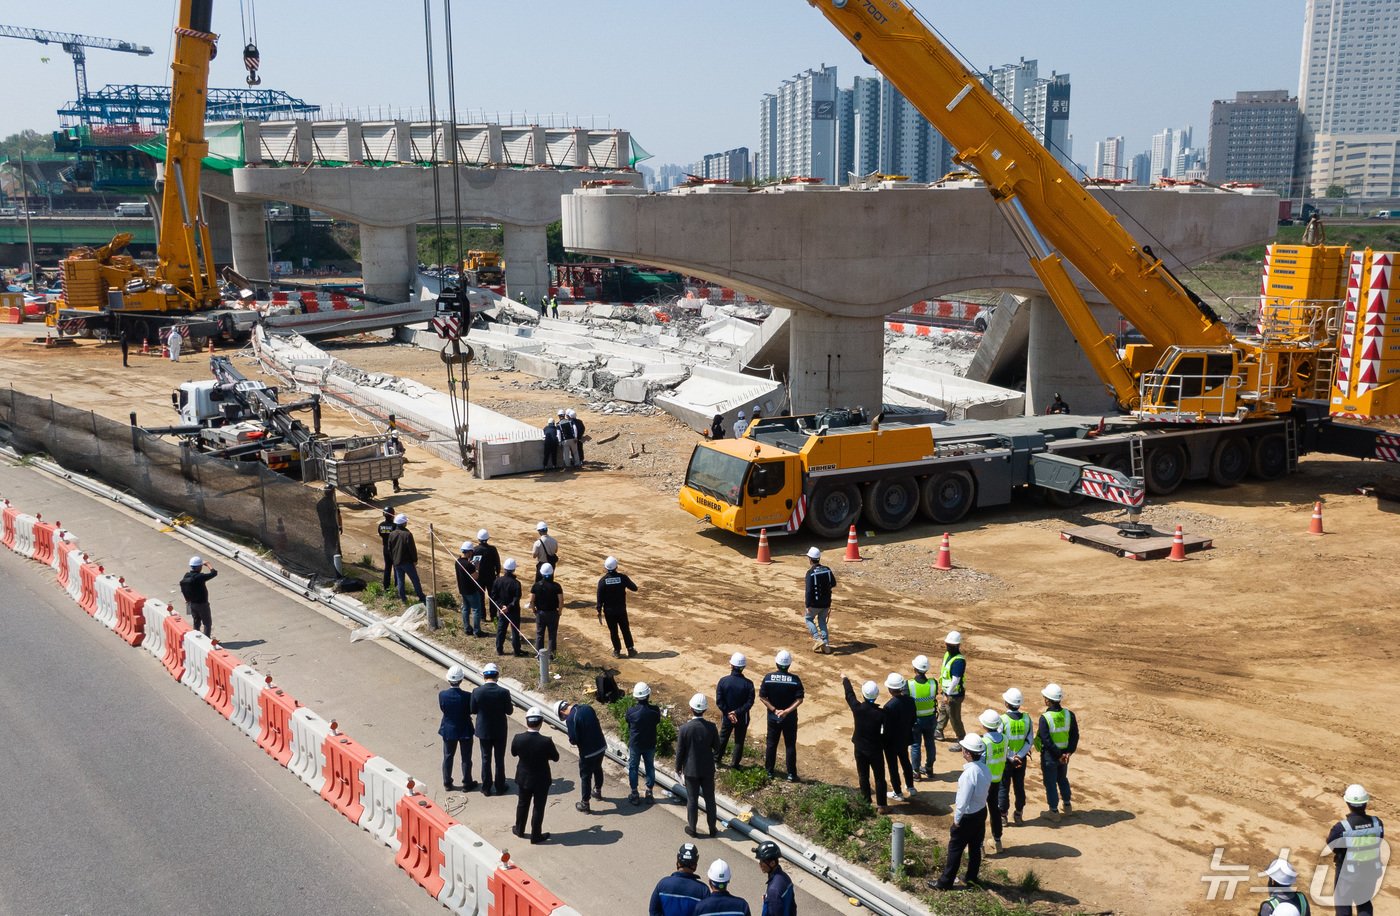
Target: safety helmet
{"points": [[870, 690], [456, 674], [541, 526], [196, 562], [1013, 697], [895, 681], [757, 408], [509, 565], [767, 851], [921, 663], [534, 714], [483, 535], [559, 708], [972, 744], [641, 691], [688, 855], [560, 412], [814, 552], [610, 563], [1284, 908], [491, 670], [547, 570], [990, 719], [401, 519], [783, 659], [570, 413], [1053, 692], [719, 872], [954, 638], [737, 660], [1281, 873], [741, 415], [699, 703], [466, 545], [1356, 794]]}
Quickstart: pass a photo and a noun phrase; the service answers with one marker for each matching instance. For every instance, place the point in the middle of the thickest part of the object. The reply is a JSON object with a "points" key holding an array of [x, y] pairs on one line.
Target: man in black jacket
{"points": [[456, 729], [612, 606], [868, 738], [696, 746], [734, 697], [469, 587], [491, 704], [546, 598], [534, 753], [818, 583], [900, 714], [490, 569], [404, 552], [196, 591], [386, 528], [781, 693], [505, 595], [642, 720], [586, 734]]}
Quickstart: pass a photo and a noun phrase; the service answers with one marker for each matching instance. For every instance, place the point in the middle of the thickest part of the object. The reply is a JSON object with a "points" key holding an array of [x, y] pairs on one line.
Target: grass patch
{"points": [[744, 781], [665, 729]]}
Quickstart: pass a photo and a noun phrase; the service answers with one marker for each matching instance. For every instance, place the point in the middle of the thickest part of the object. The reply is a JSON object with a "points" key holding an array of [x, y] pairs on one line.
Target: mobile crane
{"points": [[1202, 403]]}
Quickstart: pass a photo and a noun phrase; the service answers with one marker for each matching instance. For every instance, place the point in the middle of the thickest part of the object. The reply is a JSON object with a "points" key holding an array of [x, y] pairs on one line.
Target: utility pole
{"points": [[28, 229]]}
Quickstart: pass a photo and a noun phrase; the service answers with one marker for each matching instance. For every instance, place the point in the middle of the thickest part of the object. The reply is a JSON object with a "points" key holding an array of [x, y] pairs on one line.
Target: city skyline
{"points": [[634, 80]]}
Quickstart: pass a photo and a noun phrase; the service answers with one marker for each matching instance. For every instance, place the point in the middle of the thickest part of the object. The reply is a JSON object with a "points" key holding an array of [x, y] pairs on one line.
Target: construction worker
{"points": [[642, 721], [586, 734], [952, 686], [1056, 738], [386, 528], [994, 756], [490, 568], [534, 752], [818, 584], [173, 341], [569, 436], [867, 736], [734, 696], [717, 427], [467, 567], [720, 902], [779, 898], [544, 305], [404, 552], [456, 729], [1058, 405], [679, 893], [492, 706], [581, 430], [554, 306], [545, 549], [1016, 726], [781, 693], [546, 600], [696, 744], [757, 413], [505, 595], [613, 587], [899, 731], [1355, 842], [551, 446], [1281, 893], [521, 297], [969, 817], [924, 692], [394, 447], [194, 587], [741, 426]]}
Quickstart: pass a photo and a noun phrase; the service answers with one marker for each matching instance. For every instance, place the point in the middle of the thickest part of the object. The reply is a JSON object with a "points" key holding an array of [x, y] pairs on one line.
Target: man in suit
{"points": [[532, 775], [868, 738], [696, 746], [491, 705], [456, 729], [586, 734]]}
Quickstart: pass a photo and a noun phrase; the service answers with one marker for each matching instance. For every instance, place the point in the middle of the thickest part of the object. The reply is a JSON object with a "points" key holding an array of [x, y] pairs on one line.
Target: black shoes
{"points": [[583, 806], [631, 652], [542, 838]]}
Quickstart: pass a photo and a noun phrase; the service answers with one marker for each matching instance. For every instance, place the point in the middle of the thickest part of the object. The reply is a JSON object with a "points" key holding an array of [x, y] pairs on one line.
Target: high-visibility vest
{"points": [[1017, 731], [1058, 720], [945, 679], [925, 700], [1362, 844], [994, 754], [1296, 899]]}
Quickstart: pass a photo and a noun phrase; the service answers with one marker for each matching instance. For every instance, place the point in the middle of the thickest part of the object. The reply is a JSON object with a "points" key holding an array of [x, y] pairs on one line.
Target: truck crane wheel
{"points": [[891, 504], [1230, 462], [834, 508], [947, 497], [1166, 468], [1270, 461]]}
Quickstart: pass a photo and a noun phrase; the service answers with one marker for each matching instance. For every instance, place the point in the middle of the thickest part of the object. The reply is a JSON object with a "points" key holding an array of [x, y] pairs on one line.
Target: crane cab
{"points": [[1192, 384]]}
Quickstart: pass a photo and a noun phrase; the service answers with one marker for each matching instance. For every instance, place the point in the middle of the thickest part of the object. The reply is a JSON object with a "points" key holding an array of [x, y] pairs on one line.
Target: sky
{"points": [[684, 77]]}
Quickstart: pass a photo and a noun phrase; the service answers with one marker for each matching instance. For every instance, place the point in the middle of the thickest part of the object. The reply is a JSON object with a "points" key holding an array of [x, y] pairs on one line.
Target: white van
{"points": [[134, 209]]}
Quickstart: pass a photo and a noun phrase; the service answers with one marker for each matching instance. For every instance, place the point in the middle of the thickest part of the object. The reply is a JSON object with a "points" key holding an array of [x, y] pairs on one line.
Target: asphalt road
{"points": [[125, 793]]}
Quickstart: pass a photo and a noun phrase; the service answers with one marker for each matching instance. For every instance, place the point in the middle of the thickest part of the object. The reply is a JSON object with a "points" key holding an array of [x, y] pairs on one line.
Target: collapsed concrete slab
{"points": [[962, 398], [709, 391]]}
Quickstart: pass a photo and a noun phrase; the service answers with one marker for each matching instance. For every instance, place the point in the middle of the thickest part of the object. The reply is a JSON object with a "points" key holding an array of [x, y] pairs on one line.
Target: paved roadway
{"points": [[382, 696], [126, 794]]}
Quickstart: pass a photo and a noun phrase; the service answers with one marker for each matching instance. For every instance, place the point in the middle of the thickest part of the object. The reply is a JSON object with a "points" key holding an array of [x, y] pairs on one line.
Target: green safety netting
{"points": [[638, 154], [225, 147]]}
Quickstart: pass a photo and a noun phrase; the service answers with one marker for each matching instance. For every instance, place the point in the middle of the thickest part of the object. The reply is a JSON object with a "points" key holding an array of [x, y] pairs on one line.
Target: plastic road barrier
{"points": [[309, 734], [131, 620], [197, 649], [106, 587], [87, 587], [73, 580], [63, 546], [422, 825], [385, 784], [24, 535], [468, 862], [221, 663], [43, 541], [344, 786], [275, 737], [247, 714], [515, 892], [155, 614], [8, 514], [174, 658]]}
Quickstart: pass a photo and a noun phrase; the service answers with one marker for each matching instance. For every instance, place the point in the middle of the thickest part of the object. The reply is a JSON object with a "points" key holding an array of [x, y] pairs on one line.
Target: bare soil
{"points": [[1224, 702]]}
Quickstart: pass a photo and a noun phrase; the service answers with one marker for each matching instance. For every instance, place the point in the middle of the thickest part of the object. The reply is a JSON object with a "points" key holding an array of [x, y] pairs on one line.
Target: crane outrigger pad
{"points": [[1156, 546]]}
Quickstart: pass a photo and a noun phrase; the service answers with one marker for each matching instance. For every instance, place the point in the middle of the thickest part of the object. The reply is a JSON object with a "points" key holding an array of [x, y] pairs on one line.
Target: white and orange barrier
{"points": [[155, 613], [106, 589], [344, 788], [73, 582], [247, 688], [308, 761], [422, 826], [24, 535], [468, 863], [385, 784], [131, 619], [197, 649], [275, 736], [221, 664]]}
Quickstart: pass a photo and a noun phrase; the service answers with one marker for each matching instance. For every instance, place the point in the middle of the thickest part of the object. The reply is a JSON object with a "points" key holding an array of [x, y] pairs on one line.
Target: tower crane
{"points": [[75, 44]]}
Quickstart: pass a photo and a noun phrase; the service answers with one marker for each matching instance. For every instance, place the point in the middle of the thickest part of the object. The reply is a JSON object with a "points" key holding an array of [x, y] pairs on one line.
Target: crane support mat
{"points": [[1155, 546]]}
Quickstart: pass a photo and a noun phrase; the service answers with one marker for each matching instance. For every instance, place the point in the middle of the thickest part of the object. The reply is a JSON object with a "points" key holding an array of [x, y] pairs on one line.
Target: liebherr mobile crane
{"points": [[1199, 402]]}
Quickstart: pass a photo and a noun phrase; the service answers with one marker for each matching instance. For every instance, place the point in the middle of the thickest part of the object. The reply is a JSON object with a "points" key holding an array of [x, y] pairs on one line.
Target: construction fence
{"points": [[239, 498]]}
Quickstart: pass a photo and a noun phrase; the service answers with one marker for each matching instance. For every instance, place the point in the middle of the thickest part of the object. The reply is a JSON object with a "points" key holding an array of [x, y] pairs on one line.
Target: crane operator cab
{"points": [[1193, 383]]}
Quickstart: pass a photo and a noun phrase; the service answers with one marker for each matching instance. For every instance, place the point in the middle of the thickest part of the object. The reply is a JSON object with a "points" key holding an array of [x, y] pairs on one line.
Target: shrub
{"points": [[665, 729], [446, 601]]}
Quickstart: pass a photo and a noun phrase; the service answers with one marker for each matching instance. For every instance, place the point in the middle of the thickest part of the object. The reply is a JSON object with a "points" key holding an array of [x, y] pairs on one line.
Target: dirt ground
{"points": [[1224, 702]]}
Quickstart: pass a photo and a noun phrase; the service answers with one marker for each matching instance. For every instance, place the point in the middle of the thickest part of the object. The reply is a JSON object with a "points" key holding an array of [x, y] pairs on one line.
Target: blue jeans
{"points": [[816, 622], [408, 570], [637, 756], [1056, 779], [471, 612], [924, 733]]}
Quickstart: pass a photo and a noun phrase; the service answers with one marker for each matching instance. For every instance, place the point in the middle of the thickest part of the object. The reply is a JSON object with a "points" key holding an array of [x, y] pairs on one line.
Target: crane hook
{"points": [[252, 60]]}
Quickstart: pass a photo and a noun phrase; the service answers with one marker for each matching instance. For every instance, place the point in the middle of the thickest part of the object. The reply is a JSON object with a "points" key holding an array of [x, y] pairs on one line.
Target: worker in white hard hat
{"points": [[194, 587], [734, 696], [492, 706], [490, 570], [952, 686], [781, 693], [505, 595], [969, 816], [1288, 909], [456, 729], [1282, 893], [534, 753], [585, 733], [741, 425], [384, 529], [1018, 729], [1357, 842], [923, 690], [545, 549], [551, 444], [546, 603], [1056, 738], [899, 732], [868, 740], [403, 550], [720, 902], [994, 756], [582, 432], [613, 587], [697, 742], [569, 439], [642, 721], [468, 568], [817, 586]]}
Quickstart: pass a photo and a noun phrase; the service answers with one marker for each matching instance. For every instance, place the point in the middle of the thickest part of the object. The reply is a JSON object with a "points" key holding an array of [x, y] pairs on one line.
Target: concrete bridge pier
{"points": [[526, 251], [388, 261], [1056, 362], [251, 257], [835, 362]]}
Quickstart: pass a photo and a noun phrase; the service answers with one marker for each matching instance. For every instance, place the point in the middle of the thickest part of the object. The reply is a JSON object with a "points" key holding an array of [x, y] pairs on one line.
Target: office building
{"points": [[1141, 169], [1254, 140], [1167, 148], [1041, 104]]}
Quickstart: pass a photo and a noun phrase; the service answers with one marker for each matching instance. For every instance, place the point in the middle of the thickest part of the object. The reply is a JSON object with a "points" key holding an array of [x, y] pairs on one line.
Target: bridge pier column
{"points": [[248, 230], [387, 262], [216, 216], [836, 362], [527, 262], [1055, 362]]}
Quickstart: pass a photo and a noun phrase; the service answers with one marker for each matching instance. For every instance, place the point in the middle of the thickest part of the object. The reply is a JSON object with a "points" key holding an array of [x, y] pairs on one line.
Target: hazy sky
{"points": [[685, 77]]}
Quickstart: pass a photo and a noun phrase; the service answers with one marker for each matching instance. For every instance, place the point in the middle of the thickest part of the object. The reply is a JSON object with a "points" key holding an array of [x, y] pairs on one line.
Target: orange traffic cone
{"points": [[1316, 526], [145, 346], [211, 345], [164, 350], [945, 555], [764, 558], [1178, 546], [853, 548]]}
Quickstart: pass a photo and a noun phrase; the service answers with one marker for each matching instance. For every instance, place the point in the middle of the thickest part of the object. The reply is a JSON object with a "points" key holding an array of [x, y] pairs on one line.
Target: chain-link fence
{"points": [[240, 498]]}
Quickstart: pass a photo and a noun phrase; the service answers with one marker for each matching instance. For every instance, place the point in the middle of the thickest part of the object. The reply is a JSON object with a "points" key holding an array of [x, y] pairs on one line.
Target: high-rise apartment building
{"points": [[1167, 147], [1254, 139], [1349, 94], [1041, 104], [798, 128], [1108, 159], [730, 165], [1141, 169], [766, 156], [865, 124]]}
